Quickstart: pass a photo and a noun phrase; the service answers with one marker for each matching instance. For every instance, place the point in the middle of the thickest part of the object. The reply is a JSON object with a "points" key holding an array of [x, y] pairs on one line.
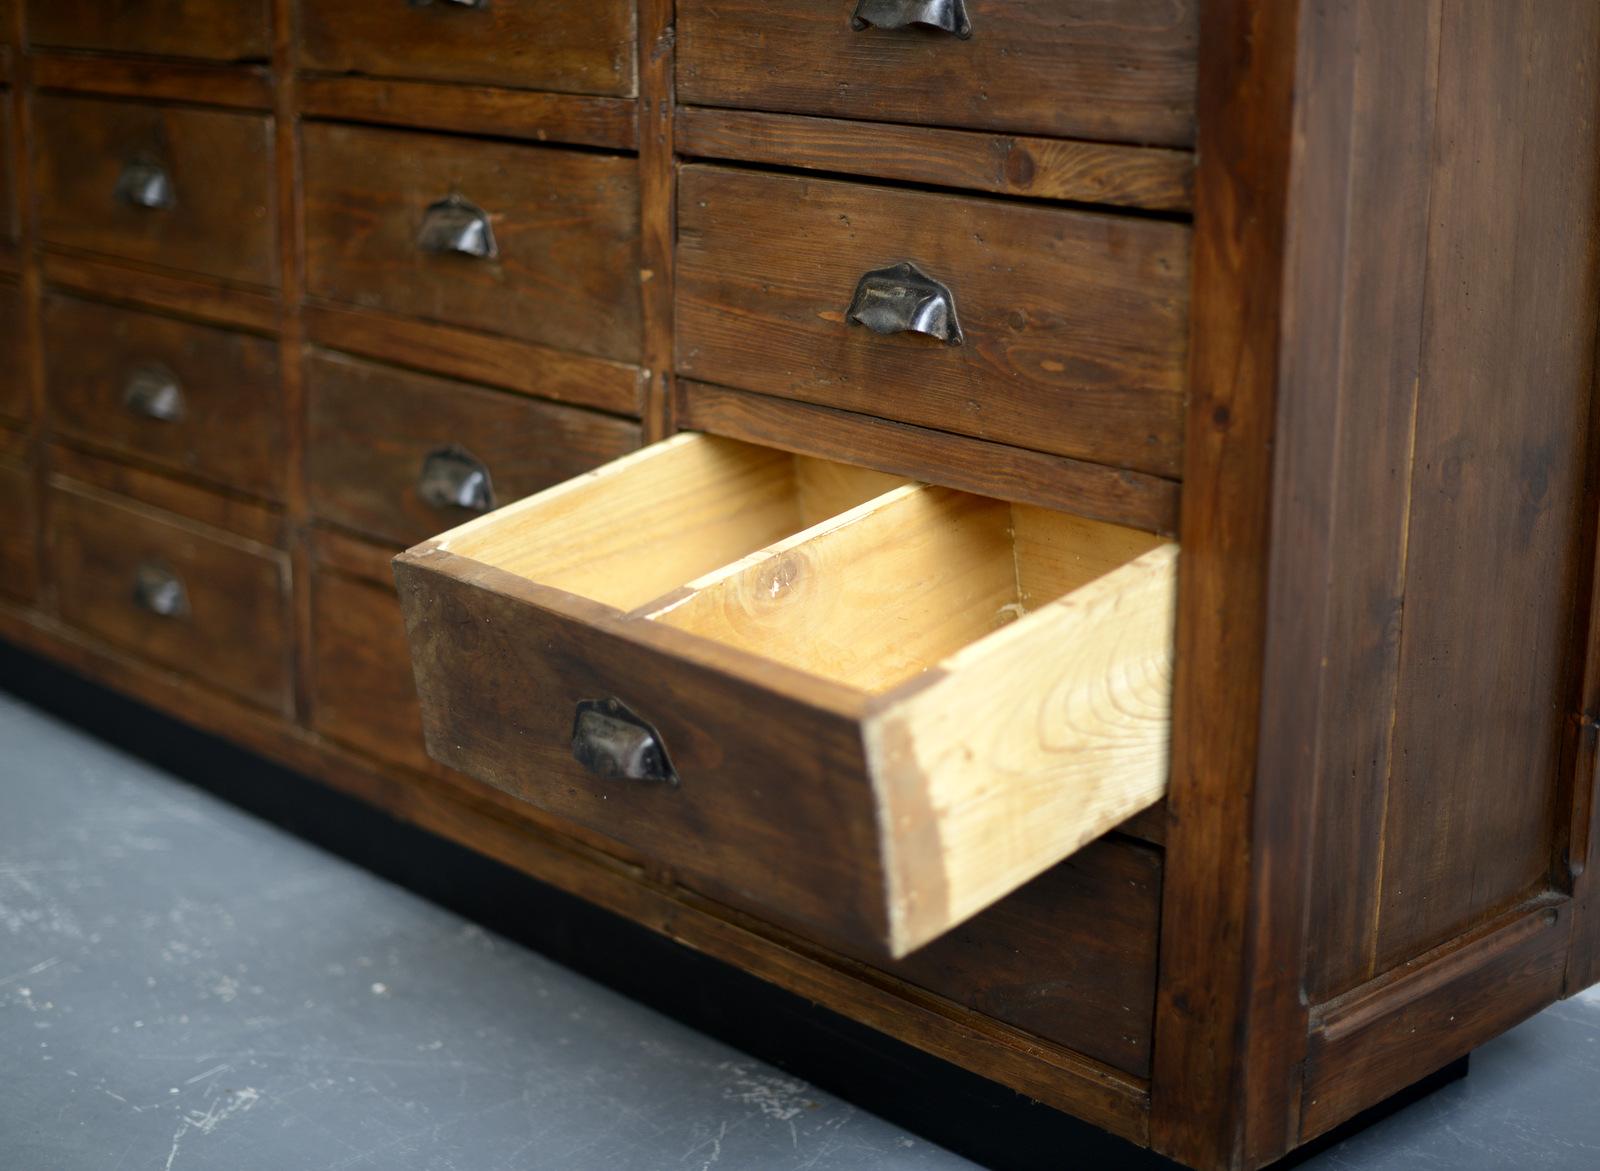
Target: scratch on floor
{"points": [[221, 1109], [42, 965]]}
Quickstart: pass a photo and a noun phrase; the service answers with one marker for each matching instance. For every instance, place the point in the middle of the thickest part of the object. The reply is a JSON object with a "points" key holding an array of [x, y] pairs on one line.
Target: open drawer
{"points": [[863, 707]]}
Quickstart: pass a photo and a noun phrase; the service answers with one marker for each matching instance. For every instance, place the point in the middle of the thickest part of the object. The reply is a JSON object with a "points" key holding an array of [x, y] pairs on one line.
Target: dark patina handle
{"points": [[904, 299], [948, 15], [152, 392], [453, 477], [159, 590], [616, 745], [457, 227], [146, 183]]}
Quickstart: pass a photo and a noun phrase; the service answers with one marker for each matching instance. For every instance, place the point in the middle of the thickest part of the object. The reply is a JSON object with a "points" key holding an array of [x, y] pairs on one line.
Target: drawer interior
{"points": [[864, 706]]}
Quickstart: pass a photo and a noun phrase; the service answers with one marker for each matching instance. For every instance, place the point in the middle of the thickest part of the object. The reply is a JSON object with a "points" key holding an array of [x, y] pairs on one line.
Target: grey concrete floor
{"points": [[183, 986]]}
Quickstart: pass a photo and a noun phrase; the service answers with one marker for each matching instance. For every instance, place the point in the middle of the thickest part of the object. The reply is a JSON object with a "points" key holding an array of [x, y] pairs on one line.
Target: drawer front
{"points": [[362, 689], [13, 375], [1117, 70], [180, 188], [195, 599], [8, 195], [540, 244], [390, 450], [19, 553], [1073, 324], [573, 48], [829, 702], [213, 30], [188, 397]]}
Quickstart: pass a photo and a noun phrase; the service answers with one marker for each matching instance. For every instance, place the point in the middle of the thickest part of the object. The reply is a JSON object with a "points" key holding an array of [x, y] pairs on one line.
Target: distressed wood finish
{"points": [[372, 427], [222, 224], [8, 195], [19, 568], [235, 631], [168, 292], [1041, 168], [611, 123], [155, 81], [15, 394], [1075, 322], [582, 48], [566, 225], [1117, 70], [896, 630], [233, 30], [231, 424]]}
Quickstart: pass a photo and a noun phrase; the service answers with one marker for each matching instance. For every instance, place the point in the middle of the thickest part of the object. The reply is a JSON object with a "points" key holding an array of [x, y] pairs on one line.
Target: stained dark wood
{"points": [[988, 469], [232, 426], [221, 167], [235, 635], [1042, 168], [582, 48], [235, 30], [1384, 252], [1433, 1010], [1117, 70], [1075, 322], [1069, 957], [1211, 938], [15, 393], [169, 292], [371, 427], [505, 113], [1510, 323], [8, 194], [248, 87], [566, 223], [19, 568], [542, 371], [658, 213]]}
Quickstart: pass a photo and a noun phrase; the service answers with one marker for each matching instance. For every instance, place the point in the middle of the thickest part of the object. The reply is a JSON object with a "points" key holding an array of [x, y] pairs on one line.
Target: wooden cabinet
{"points": [[1063, 532]]}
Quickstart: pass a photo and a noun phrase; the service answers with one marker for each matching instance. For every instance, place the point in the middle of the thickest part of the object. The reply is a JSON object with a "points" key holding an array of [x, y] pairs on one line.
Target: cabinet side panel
{"points": [[1391, 109], [1494, 539]]}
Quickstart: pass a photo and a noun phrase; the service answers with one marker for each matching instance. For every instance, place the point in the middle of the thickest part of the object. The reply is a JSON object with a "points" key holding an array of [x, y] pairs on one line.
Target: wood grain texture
{"points": [[1206, 1013], [19, 552], [658, 214], [250, 519], [232, 426], [973, 465], [1048, 1073], [572, 48], [15, 393], [223, 224], [566, 225], [1076, 323], [1386, 127], [611, 123], [248, 87], [8, 190], [1117, 70], [239, 30], [1471, 824], [541, 371], [370, 429], [171, 293], [1434, 1009], [236, 632], [1040, 168]]}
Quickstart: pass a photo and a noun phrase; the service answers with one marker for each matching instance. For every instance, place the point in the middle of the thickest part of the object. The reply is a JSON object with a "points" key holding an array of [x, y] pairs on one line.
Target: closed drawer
{"points": [[400, 455], [533, 242], [869, 713], [19, 552], [362, 693], [189, 397], [1072, 325], [574, 48], [217, 30], [180, 188], [13, 373], [195, 599], [1117, 70]]}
